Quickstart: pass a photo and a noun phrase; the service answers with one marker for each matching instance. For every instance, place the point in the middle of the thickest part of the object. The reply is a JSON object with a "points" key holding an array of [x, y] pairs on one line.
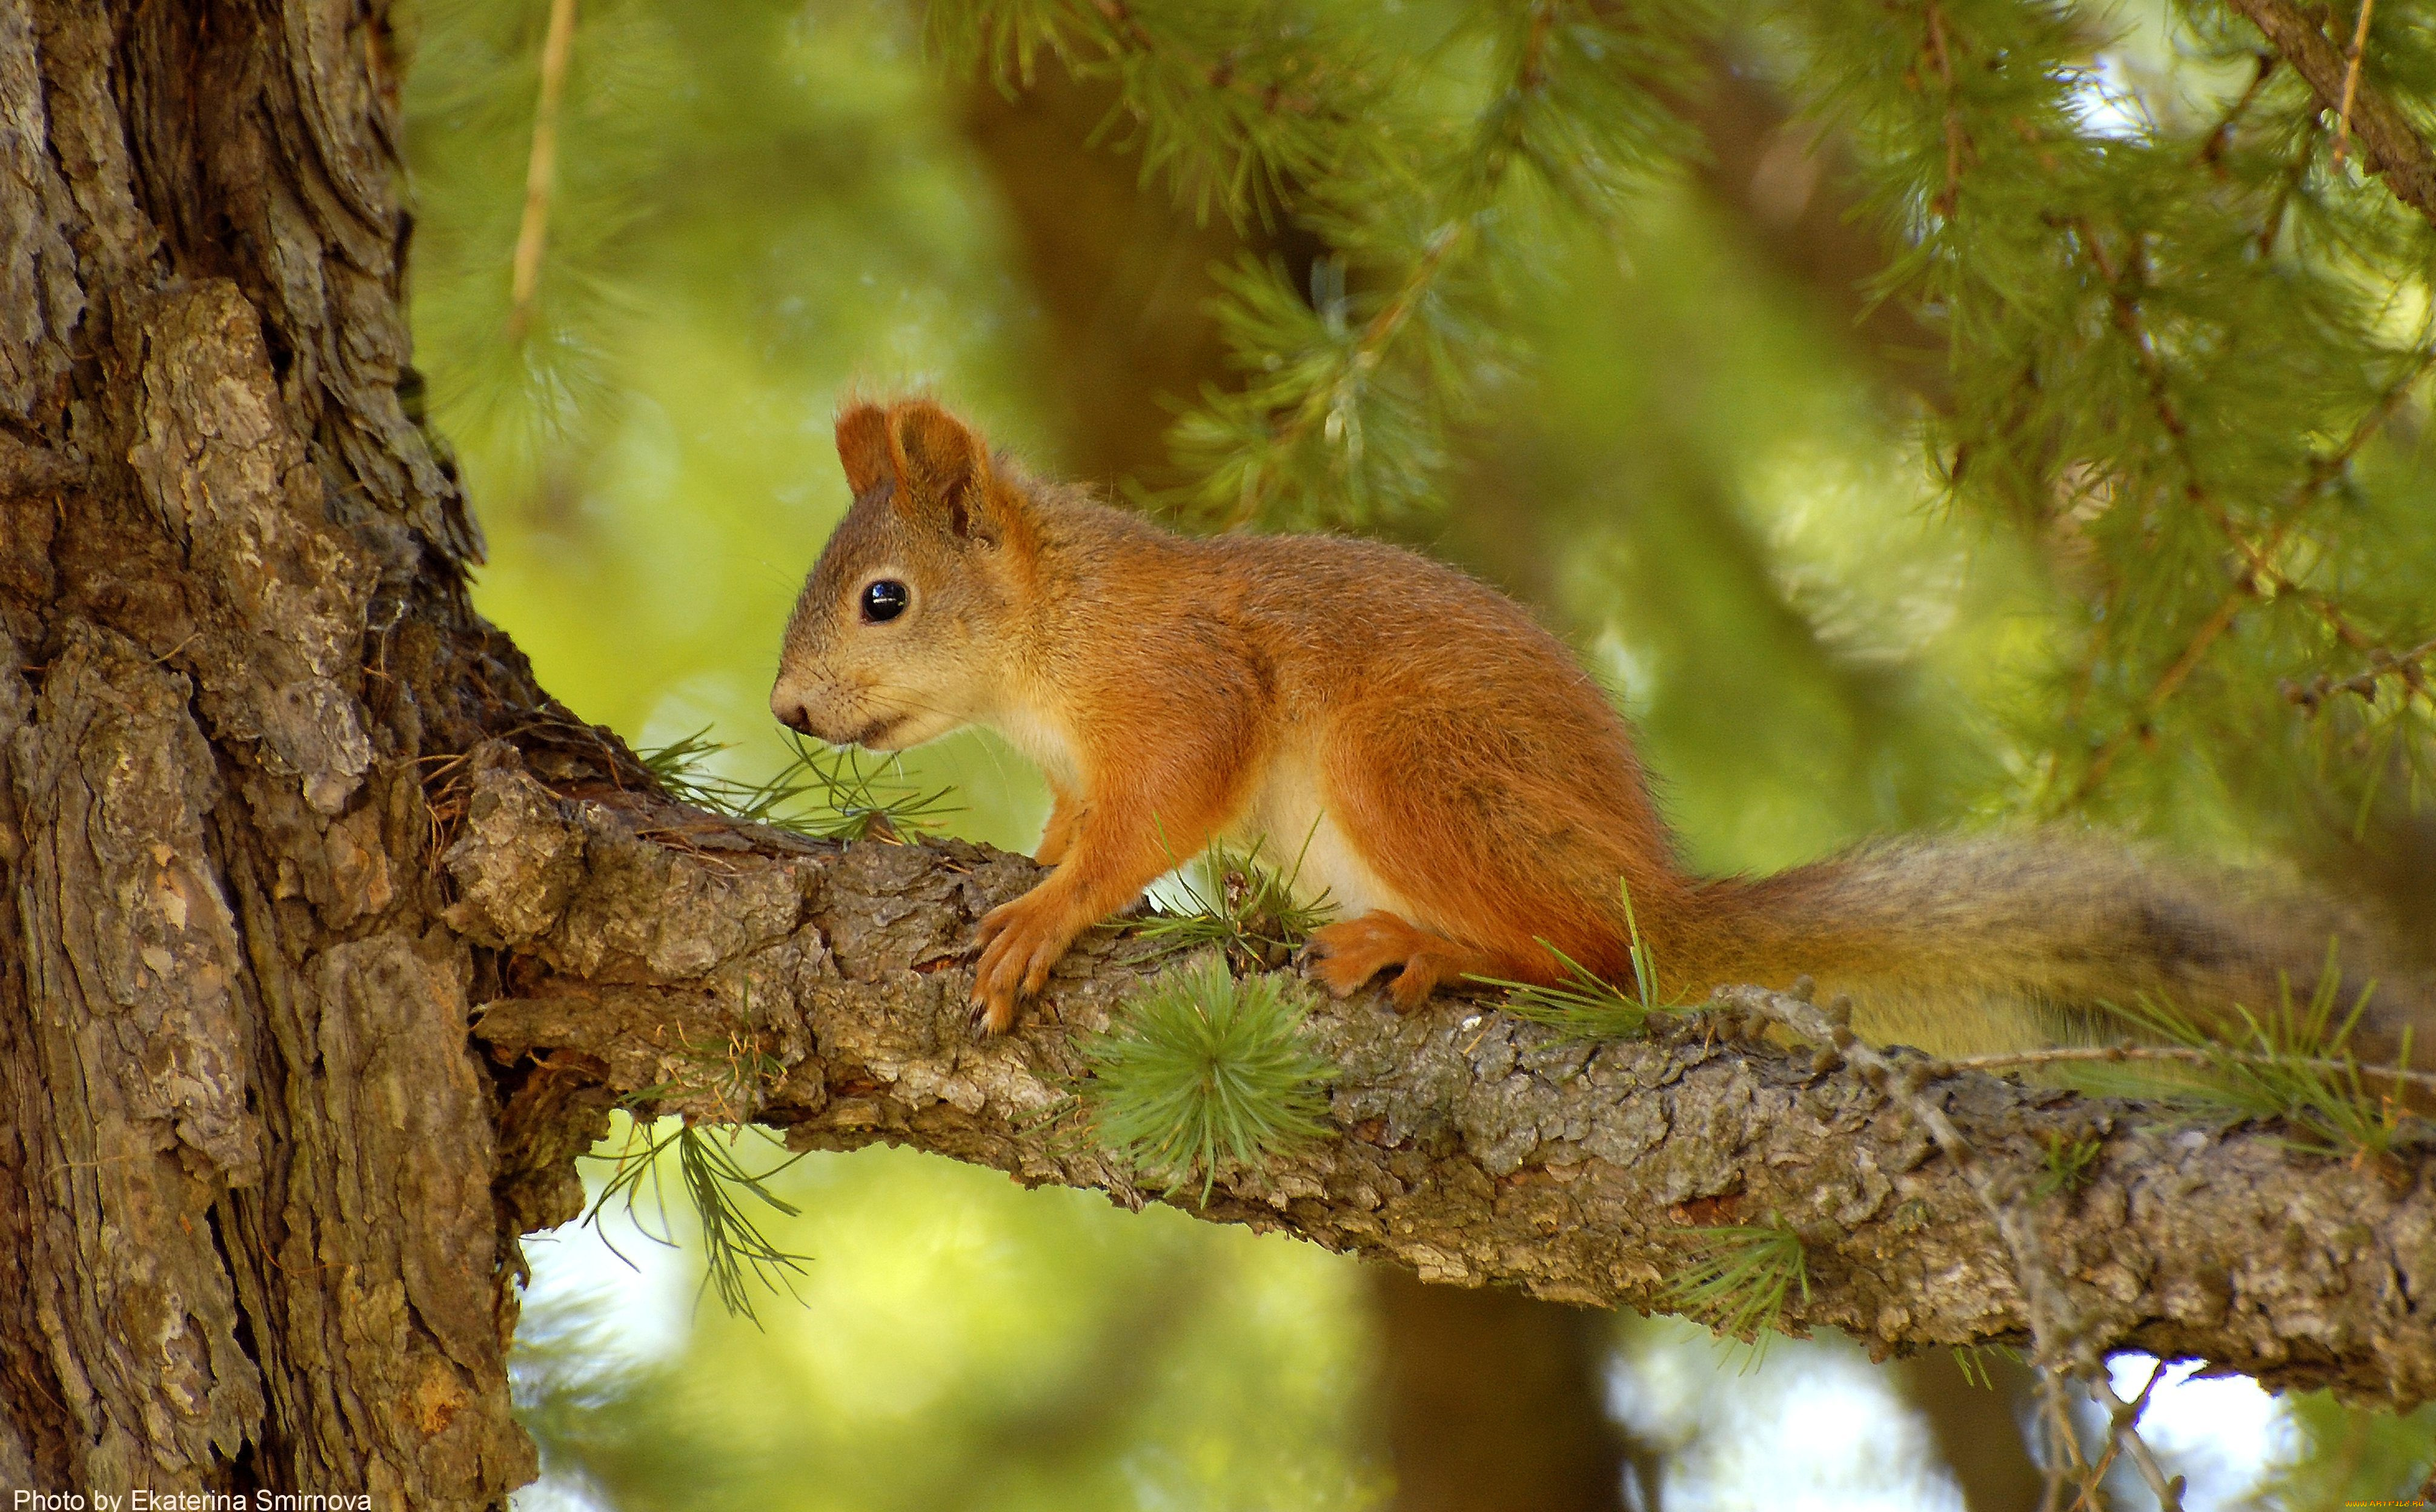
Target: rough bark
{"points": [[822, 989], [246, 1163]]}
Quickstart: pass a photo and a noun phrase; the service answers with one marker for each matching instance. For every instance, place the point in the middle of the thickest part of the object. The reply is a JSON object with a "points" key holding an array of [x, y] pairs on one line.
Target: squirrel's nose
{"points": [[790, 711]]}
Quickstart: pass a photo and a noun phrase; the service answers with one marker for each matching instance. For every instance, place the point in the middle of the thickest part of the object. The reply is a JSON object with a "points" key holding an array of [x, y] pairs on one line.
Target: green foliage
{"points": [[2294, 1064], [1972, 1362], [1736, 1278], [964, 1342], [1203, 1067], [736, 1253], [822, 792], [2178, 332], [2064, 1163], [2348, 1456], [1233, 105], [1234, 902], [1394, 136]]}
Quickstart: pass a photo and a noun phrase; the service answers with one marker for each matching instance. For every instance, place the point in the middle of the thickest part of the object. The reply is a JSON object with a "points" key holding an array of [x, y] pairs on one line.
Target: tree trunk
{"points": [[247, 1164]]}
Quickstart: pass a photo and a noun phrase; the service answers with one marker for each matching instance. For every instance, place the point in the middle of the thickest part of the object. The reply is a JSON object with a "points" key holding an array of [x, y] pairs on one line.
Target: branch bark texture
{"points": [[2395, 149], [738, 974]]}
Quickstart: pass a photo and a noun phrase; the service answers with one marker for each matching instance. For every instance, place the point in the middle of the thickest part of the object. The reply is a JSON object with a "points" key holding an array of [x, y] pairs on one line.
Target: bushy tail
{"points": [[1990, 945]]}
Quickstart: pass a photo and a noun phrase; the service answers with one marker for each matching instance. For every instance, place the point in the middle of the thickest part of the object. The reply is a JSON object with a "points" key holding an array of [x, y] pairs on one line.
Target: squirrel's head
{"points": [[902, 630]]}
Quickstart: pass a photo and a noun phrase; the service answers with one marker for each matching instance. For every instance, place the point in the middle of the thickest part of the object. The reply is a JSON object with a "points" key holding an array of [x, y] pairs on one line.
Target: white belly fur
{"points": [[1043, 741], [1300, 840]]}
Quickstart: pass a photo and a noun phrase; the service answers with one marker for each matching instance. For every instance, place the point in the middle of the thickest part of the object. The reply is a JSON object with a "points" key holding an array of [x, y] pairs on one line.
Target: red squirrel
{"points": [[1459, 787]]}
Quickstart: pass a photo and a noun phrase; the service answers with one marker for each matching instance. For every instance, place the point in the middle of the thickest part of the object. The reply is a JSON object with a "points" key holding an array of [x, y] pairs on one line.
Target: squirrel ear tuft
{"points": [[942, 468], [863, 447]]}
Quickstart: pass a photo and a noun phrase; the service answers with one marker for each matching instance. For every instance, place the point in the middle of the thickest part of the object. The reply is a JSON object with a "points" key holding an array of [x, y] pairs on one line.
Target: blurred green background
{"points": [[1708, 473]]}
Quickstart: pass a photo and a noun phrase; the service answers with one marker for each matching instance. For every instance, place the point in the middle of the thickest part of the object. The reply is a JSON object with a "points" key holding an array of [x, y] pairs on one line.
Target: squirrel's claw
{"points": [[1019, 942]]}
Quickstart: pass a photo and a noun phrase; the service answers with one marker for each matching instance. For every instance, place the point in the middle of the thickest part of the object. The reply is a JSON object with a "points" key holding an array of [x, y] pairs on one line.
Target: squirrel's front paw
{"points": [[1019, 942]]}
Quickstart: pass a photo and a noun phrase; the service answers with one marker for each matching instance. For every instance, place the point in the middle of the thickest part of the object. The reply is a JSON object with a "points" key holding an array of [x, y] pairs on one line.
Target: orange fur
{"points": [[1464, 791]]}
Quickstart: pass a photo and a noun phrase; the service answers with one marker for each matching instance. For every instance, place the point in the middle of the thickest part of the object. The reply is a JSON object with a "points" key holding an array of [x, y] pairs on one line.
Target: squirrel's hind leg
{"points": [[1348, 954], [1483, 871]]}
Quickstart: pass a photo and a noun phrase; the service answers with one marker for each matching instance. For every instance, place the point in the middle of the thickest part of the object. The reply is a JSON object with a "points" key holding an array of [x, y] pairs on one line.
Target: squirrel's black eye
{"points": [[884, 599]]}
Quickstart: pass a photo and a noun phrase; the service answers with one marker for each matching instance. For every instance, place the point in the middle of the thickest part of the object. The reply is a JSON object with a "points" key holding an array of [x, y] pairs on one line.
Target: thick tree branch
{"points": [[740, 974], [2395, 147]]}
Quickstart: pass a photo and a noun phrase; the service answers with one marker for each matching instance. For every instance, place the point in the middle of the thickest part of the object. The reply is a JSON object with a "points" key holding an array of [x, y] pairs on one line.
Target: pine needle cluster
{"points": [[821, 792], [736, 1254], [1203, 1069], [1232, 900], [2293, 1063], [1428, 148], [2187, 340], [1736, 1278], [1587, 1006], [2064, 1163]]}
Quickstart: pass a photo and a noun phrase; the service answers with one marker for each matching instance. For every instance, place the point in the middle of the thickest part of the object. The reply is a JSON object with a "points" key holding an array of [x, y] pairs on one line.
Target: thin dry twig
{"points": [[2126, 1416], [540, 171], [2393, 147]]}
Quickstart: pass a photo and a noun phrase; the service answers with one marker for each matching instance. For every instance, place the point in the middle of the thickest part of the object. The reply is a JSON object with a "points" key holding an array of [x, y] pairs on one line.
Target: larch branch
{"points": [[2393, 147], [644, 951]]}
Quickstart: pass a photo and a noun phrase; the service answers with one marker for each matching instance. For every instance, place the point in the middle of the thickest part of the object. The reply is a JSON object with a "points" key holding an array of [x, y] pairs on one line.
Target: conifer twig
{"points": [[2212, 149], [2395, 148], [2260, 573], [1958, 139], [1222, 74], [2382, 664], [541, 169], [2351, 83], [1369, 348]]}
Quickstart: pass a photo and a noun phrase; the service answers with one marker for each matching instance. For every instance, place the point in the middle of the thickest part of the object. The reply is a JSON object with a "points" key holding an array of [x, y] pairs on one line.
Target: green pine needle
{"points": [[1240, 906], [822, 792], [2067, 1162], [736, 1253], [1972, 1360], [2295, 1064], [1586, 1005], [1203, 1067], [1737, 1279]]}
